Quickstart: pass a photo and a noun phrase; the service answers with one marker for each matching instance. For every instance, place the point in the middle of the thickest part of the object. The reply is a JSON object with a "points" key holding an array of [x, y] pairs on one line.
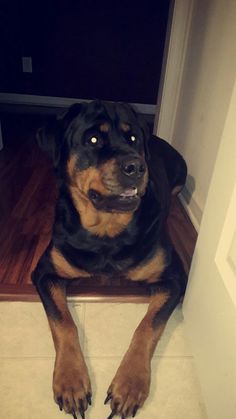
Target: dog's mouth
{"points": [[128, 200]]}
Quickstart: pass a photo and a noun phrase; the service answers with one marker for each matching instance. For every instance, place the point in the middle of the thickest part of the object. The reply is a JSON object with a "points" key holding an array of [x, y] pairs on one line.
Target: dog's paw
{"points": [[129, 389], [71, 386]]}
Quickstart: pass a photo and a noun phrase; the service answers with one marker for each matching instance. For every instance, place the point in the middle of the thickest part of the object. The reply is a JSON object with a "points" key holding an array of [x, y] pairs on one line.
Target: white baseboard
{"points": [[192, 208], [60, 102]]}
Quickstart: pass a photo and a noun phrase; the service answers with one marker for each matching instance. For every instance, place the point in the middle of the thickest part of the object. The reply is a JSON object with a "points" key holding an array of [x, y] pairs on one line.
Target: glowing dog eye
{"points": [[133, 138], [93, 140]]}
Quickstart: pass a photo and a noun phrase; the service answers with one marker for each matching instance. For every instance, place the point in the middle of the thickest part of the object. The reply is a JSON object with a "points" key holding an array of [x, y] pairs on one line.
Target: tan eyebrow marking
{"points": [[125, 127], [104, 127]]}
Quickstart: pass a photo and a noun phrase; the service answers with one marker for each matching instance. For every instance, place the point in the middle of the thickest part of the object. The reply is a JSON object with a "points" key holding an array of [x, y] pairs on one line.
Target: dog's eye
{"points": [[132, 138], [93, 140]]}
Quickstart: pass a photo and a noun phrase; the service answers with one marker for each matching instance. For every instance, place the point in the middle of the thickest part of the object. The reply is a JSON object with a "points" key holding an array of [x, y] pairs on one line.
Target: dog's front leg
{"points": [[130, 386], [71, 384]]}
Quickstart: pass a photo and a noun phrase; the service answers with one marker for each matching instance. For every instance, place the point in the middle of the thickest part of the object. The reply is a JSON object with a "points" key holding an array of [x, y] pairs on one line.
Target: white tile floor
{"points": [[27, 358]]}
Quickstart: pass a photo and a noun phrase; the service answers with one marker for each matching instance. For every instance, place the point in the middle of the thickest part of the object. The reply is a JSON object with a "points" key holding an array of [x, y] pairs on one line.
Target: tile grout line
{"points": [[85, 345], [155, 357], [108, 357], [81, 318], [83, 326]]}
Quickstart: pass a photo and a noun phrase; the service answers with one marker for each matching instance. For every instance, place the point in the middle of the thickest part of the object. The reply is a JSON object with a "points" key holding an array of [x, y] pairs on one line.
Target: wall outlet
{"points": [[27, 65]]}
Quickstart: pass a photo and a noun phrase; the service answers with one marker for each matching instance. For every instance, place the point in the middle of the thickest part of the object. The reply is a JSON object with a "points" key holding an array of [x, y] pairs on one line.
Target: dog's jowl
{"points": [[115, 182]]}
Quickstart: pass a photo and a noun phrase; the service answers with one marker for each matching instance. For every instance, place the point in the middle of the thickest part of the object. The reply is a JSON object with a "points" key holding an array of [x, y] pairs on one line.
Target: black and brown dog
{"points": [[115, 182]]}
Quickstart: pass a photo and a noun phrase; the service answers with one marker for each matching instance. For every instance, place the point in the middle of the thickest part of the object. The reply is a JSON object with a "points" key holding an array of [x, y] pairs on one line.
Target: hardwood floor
{"points": [[28, 193]]}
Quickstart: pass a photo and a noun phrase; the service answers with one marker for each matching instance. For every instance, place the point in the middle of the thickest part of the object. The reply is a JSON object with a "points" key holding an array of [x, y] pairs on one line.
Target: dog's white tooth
{"points": [[129, 192]]}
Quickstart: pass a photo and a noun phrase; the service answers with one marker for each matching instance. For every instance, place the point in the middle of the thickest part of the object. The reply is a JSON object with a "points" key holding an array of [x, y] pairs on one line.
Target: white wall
{"points": [[210, 301], [207, 80]]}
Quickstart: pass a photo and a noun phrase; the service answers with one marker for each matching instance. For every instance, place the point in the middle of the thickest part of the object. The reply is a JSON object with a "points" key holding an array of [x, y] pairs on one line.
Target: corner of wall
{"points": [[192, 206]]}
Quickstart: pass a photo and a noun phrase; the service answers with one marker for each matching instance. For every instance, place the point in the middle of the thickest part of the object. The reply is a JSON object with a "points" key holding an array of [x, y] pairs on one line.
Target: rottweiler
{"points": [[115, 182]]}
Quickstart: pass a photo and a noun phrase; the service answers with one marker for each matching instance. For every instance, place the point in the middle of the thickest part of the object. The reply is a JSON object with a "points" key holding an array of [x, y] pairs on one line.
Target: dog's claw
{"points": [[73, 414], [113, 413], [109, 397], [88, 397], [82, 413], [81, 410], [60, 403], [135, 410]]}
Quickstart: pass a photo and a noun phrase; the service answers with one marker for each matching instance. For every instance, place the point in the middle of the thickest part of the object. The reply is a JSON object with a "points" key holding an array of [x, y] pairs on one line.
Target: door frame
{"points": [[178, 31]]}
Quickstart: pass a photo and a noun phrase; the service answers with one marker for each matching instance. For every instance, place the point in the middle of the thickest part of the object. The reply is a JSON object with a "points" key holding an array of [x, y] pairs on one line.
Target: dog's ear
{"points": [[51, 138], [66, 117]]}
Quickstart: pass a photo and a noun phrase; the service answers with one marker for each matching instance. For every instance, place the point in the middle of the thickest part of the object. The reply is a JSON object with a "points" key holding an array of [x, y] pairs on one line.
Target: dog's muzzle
{"points": [[130, 178]]}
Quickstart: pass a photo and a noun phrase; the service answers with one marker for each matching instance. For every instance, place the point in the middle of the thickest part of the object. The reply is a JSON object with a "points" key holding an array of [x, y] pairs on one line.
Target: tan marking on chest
{"points": [[104, 223], [63, 267], [151, 271]]}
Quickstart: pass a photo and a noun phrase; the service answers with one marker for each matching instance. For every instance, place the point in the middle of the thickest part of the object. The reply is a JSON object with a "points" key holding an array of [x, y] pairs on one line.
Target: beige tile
{"points": [[25, 332], [175, 391], [173, 341], [174, 394], [109, 329], [26, 389]]}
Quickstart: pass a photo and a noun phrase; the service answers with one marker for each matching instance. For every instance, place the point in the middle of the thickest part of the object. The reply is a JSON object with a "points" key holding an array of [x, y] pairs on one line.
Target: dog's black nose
{"points": [[134, 168]]}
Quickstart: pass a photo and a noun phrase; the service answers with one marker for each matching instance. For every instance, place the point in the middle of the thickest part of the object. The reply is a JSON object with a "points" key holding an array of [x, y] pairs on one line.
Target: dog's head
{"points": [[101, 147]]}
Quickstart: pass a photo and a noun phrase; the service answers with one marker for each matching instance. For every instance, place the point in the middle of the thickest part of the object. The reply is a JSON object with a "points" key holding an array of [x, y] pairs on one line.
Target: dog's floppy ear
{"points": [[50, 141], [52, 137]]}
